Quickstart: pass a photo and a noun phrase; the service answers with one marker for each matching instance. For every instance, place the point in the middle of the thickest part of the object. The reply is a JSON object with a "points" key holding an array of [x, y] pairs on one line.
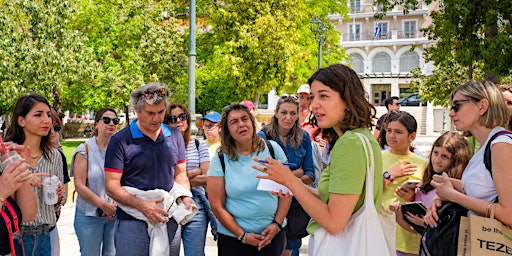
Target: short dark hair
{"points": [[389, 101]]}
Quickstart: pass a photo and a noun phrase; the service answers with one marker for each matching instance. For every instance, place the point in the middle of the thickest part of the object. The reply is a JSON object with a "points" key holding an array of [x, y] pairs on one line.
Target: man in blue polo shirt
{"points": [[145, 155]]}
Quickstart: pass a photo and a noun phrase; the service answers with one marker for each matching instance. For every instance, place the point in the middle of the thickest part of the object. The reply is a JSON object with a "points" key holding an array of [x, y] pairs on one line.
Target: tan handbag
{"points": [[484, 236]]}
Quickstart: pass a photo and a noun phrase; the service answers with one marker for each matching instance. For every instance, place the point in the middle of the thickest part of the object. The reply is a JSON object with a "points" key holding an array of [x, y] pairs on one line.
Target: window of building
{"points": [[378, 7], [408, 61], [381, 30], [354, 30], [357, 63], [381, 63], [410, 29], [355, 6]]}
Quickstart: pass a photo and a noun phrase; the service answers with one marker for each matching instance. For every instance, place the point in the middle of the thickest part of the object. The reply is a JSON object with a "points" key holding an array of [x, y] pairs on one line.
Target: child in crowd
{"points": [[450, 153], [399, 164]]}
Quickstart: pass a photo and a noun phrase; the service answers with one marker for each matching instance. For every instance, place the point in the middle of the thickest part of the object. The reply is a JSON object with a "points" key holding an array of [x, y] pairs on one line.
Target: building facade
{"points": [[384, 51]]}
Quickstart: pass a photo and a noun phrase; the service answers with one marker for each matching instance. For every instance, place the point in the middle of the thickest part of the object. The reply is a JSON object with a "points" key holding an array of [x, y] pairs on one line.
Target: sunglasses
{"points": [[457, 104], [57, 127], [151, 96], [174, 119], [106, 120], [289, 96]]}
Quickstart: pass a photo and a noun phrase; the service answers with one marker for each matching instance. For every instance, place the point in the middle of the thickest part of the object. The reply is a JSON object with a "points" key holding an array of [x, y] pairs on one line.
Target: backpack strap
{"points": [[487, 152], [12, 233], [197, 144], [223, 164]]}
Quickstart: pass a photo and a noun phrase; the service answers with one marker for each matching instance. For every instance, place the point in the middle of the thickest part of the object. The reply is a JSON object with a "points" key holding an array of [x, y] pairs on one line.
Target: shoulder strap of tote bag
{"points": [[370, 167]]}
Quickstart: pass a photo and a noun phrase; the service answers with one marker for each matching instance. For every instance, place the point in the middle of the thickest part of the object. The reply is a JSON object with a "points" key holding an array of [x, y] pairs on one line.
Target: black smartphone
{"points": [[99, 212], [416, 208]]}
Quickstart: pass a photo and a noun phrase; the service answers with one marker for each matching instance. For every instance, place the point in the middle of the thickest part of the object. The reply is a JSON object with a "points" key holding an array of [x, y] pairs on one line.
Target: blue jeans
{"points": [[92, 232], [132, 239], [193, 233], [35, 245]]}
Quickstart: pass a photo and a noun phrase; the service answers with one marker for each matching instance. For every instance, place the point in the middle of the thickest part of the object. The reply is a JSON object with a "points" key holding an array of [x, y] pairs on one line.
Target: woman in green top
{"points": [[340, 106]]}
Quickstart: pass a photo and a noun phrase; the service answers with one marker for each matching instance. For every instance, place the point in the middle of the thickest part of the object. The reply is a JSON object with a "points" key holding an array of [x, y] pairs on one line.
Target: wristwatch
{"points": [[387, 176]]}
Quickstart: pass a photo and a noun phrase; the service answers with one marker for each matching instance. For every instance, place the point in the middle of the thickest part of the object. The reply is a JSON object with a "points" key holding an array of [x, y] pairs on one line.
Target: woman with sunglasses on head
{"points": [[31, 126], [250, 220], [340, 106], [400, 165], [193, 233], [285, 130], [55, 138], [94, 216], [479, 108]]}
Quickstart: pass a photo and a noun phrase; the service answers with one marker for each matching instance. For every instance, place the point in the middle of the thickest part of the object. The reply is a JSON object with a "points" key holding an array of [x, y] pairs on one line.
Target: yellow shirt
{"points": [[212, 148], [405, 241]]}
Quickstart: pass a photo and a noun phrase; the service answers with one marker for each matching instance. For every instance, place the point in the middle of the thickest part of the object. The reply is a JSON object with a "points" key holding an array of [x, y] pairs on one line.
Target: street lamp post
{"points": [[192, 65], [320, 30]]}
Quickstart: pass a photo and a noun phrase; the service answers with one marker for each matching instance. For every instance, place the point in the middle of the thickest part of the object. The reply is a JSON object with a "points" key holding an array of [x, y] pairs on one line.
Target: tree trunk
{"points": [[126, 110], [57, 102]]}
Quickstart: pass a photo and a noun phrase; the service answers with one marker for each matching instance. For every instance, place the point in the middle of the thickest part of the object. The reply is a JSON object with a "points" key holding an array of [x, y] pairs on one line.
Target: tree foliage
{"points": [[472, 41], [255, 46]]}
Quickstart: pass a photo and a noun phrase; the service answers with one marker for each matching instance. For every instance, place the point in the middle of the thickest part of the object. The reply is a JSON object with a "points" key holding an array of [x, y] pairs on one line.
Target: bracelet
{"points": [[241, 238], [277, 224], [489, 206]]}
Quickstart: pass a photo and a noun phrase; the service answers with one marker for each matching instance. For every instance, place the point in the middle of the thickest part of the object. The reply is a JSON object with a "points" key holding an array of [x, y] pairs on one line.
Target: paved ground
{"points": [[69, 243]]}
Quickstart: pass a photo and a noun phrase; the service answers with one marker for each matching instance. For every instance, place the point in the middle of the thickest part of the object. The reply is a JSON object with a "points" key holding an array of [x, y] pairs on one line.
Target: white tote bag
{"points": [[363, 234]]}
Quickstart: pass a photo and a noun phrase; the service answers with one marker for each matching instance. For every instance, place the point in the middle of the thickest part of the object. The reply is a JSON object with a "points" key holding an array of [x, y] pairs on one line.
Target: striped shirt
{"points": [[196, 156], [53, 166]]}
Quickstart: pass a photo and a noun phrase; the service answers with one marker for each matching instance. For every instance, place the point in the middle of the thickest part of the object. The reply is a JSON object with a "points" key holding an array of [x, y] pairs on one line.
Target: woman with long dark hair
{"points": [[30, 126]]}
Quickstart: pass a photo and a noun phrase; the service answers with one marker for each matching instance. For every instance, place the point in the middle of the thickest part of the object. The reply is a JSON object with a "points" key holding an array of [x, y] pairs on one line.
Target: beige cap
{"points": [[304, 89]]}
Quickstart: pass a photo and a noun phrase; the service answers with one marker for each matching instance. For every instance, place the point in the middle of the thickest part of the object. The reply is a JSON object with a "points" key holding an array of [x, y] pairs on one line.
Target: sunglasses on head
{"points": [[106, 120], [289, 96], [456, 104], [57, 127], [174, 119], [152, 95]]}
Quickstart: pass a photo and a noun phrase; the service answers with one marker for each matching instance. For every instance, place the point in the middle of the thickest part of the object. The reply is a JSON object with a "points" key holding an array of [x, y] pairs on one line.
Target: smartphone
{"points": [[411, 183]]}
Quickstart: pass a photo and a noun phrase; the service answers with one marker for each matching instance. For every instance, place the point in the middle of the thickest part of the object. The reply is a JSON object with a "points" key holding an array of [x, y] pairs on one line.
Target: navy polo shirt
{"points": [[145, 164]]}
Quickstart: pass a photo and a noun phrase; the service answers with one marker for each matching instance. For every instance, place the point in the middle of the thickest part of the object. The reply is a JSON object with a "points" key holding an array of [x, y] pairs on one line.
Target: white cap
{"points": [[304, 89]]}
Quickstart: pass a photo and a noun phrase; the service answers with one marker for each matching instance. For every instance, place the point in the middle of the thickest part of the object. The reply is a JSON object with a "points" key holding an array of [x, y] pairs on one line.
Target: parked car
{"points": [[412, 100]]}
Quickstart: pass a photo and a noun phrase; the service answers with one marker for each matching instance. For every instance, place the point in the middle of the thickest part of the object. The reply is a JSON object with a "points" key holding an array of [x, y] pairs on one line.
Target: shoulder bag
{"points": [[363, 234]]}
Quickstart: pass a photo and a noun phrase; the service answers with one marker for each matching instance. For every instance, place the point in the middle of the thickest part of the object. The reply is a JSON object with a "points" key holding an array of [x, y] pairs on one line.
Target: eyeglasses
{"points": [[154, 96], [174, 119], [106, 120], [457, 104], [209, 126], [57, 127]]}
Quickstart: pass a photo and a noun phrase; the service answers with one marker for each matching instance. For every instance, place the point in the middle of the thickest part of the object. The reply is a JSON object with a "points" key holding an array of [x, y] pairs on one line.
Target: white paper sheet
{"points": [[269, 185]]}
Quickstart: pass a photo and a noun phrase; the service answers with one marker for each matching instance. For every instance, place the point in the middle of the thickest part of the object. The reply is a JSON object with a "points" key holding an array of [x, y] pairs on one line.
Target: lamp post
{"points": [[192, 66], [320, 30]]}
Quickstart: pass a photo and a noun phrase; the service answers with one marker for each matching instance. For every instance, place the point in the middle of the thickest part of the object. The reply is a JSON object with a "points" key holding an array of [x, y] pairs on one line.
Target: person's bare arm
{"points": [[26, 199], [80, 179], [180, 177], [148, 207], [200, 179]]}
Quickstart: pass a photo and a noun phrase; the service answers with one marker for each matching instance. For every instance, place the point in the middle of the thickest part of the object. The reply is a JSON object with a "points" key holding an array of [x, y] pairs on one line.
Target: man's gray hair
{"points": [[151, 93]]}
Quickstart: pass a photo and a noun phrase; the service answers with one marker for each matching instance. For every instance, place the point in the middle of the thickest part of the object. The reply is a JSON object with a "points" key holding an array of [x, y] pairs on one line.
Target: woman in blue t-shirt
{"points": [[296, 144], [250, 220]]}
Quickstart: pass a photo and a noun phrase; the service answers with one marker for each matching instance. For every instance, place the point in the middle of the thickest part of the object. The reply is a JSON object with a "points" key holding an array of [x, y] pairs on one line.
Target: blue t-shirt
{"points": [[302, 155], [252, 209], [145, 164]]}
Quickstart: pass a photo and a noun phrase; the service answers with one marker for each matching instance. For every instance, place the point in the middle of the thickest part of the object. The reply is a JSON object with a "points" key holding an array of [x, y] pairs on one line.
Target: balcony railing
{"points": [[392, 35]]}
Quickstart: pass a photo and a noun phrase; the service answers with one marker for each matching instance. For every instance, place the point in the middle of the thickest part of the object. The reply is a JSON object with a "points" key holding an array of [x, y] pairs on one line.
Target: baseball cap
{"points": [[212, 116], [248, 104], [304, 89]]}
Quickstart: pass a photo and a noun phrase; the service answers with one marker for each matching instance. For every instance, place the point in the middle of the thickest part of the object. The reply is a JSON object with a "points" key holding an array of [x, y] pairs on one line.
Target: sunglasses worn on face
{"points": [[174, 119], [106, 120], [457, 104], [57, 127]]}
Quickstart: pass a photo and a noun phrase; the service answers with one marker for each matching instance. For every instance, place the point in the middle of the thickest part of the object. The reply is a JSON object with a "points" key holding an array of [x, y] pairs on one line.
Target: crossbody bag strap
{"points": [[9, 226], [370, 168]]}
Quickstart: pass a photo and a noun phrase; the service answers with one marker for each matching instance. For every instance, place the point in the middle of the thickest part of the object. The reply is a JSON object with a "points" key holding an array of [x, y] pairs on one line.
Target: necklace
{"points": [[35, 157]]}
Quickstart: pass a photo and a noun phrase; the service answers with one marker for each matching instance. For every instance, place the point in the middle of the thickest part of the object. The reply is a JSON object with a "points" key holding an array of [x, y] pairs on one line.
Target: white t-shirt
{"points": [[476, 178]]}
